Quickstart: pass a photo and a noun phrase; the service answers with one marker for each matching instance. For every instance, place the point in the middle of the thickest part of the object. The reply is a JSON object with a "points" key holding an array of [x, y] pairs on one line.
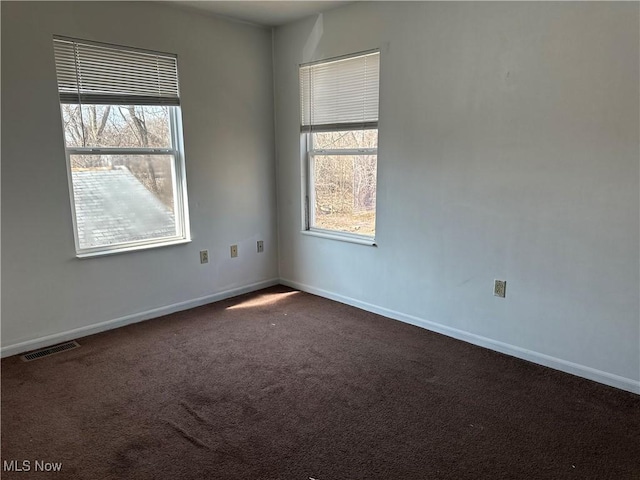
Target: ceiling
{"points": [[270, 13]]}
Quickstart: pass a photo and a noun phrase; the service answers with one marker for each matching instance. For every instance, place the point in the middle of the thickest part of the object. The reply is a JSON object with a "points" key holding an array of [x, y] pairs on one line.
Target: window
{"points": [[123, 137], [339, 122]]}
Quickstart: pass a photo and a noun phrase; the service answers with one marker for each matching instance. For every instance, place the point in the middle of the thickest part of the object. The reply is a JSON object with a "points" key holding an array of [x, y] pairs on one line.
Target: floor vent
{"points": [[45, 352]]}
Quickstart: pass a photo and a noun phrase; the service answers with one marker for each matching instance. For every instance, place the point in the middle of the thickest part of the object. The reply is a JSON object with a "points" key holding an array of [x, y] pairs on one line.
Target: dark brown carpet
{"points": [[284, 385]]}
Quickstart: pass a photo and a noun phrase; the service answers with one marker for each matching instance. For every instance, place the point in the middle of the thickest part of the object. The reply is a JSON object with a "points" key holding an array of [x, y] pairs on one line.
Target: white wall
{"points": [[227, 106], [509, 149]]}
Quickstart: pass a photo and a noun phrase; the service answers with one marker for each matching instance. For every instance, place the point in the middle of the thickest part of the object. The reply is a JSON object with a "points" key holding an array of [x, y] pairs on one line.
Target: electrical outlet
{"points": [[260, 246], [500, 288], [234, 251], [204, 256]]}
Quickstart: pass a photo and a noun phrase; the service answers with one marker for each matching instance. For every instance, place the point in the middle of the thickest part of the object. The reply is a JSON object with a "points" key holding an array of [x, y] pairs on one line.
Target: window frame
{"points": [[179, 180], [181, 210], [309, 203]]}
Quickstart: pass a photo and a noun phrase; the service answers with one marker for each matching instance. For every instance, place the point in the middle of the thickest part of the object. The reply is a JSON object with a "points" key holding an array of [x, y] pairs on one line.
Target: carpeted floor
{"points": [[284, 385]]}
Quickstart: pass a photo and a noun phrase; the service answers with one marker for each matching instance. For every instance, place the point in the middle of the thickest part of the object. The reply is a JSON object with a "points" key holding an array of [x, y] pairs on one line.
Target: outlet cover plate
{"points": [[234, 251], [500, 288], [204, 256]]}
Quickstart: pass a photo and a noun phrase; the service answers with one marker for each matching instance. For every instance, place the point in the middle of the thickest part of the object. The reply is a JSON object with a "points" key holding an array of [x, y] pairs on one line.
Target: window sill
{"points": [[341, 237], [132, 248]]}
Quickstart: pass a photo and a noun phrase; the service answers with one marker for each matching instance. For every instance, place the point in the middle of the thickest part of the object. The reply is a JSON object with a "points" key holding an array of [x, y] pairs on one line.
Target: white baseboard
{"points": [[606, 378], [75, 333], [535, 357]]}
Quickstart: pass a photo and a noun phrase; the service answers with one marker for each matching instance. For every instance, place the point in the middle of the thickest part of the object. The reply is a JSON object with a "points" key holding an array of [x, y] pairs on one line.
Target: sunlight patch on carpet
{"points": [[262, 300]]}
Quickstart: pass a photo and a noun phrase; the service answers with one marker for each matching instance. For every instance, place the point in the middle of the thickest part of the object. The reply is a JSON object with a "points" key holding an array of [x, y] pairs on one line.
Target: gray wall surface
{"points": [[508, 149], [226, 82]]}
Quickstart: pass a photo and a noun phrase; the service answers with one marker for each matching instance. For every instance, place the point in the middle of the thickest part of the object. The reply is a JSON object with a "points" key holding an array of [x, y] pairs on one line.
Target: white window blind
{"points": [[340, 94], [91, 73]]}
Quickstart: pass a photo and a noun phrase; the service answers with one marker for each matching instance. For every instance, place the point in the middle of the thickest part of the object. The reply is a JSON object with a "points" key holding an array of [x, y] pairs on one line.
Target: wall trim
{"points": [[589, 373], [583, 371], [76, 333]]}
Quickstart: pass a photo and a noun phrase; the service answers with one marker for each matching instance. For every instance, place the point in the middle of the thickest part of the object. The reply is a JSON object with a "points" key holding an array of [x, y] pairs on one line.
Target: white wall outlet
{"points": [[500, 288], [204, 256], [234, 251], [260, 246]]}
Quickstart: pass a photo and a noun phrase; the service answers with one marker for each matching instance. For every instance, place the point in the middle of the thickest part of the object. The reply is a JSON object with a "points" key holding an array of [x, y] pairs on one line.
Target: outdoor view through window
{"points": [[121, 197], [344, 183]]}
